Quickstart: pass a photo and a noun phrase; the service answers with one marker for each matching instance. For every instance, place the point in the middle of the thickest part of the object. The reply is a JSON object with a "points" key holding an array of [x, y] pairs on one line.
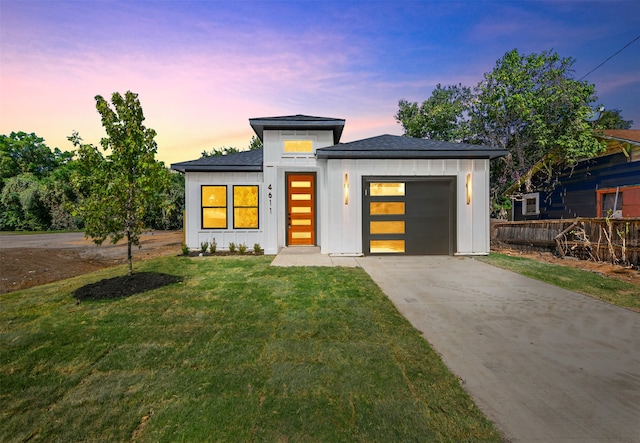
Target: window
{"points": [[298, 146], [386, 189], [531, 204], [611, 202], [245, 207], [214, 207]]}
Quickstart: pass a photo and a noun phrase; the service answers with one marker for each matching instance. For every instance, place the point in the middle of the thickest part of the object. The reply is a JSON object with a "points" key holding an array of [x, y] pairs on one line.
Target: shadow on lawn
{"points": [[124, 286]]}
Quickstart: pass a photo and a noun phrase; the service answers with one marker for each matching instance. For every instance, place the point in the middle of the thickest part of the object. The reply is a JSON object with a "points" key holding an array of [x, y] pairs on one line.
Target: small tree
{"points": [[128, 181], [255, 143]]}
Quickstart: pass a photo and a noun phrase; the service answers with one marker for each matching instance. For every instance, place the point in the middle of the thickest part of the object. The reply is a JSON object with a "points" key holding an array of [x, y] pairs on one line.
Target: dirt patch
{"points": [[124, 286], [628, 274], [33, 260]]}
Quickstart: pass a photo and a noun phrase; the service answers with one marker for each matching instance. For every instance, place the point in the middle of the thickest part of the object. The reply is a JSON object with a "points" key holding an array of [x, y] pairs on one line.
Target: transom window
{"points": [[214, 207], [298, 146], [245, 207]]}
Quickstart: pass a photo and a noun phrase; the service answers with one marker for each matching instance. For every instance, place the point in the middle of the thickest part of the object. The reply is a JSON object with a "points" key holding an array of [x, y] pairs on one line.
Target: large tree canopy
{"points": [[443, 116], [529, 105], [128, 181], [27, 153]]}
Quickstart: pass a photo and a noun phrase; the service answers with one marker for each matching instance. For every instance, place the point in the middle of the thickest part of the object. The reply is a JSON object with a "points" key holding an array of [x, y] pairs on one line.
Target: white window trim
{"points": [[525, 197]]}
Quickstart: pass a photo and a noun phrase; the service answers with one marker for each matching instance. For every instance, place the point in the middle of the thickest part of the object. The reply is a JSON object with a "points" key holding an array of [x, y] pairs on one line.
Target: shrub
{"points": [[242, 248], [204, 246], [257, 248], [213, 246], [232, 247], [185, 249]]}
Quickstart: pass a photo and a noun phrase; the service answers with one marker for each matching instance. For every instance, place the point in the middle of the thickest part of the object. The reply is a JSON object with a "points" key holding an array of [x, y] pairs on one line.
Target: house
{"points": [[608, 184], [381, 195]]}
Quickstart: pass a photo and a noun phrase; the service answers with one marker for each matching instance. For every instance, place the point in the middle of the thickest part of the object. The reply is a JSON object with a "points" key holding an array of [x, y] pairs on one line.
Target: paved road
{"points": [[543, 363]]}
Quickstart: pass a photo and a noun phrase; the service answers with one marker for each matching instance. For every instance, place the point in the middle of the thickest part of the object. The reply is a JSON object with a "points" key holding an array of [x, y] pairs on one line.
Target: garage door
{"points": [[409, 216]]}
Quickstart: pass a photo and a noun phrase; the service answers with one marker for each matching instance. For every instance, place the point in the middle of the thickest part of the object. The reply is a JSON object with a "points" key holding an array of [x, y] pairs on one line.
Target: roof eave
{"points": [[216, 168], [260, 125], [620, 139], [408, 155]]}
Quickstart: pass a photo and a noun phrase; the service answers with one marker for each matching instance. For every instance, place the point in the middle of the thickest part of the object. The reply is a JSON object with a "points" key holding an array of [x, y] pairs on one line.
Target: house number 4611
{"points": [[270, 195]]}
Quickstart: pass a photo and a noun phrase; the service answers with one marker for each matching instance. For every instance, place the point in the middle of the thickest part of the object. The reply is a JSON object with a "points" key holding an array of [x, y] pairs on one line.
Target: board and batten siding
{"points": [[277, 164], [341, 234], [195, 235]]}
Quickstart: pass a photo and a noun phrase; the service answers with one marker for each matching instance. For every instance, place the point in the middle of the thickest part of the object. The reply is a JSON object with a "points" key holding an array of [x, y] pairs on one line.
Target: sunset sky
{"points": [[203, 68]]}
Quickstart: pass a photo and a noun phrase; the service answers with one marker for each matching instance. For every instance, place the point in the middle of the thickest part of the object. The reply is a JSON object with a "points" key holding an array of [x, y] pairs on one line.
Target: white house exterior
{"points": [[382, 195]]}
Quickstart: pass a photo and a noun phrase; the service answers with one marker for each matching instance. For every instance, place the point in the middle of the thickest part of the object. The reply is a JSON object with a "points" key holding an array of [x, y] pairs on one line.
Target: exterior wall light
{"points": [[346, 189], [468, 189]]}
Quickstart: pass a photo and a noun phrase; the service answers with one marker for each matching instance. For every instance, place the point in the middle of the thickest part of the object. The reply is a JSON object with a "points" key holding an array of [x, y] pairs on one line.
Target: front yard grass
{"points": [[237, 351], [617, 292]]}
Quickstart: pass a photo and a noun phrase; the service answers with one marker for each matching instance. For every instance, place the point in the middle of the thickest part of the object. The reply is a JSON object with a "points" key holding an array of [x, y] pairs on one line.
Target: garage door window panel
{"points": [[386, 208]]}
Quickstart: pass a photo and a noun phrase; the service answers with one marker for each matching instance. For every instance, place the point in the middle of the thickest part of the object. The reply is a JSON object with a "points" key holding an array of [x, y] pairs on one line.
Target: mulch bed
{"points": [[124, 286]]}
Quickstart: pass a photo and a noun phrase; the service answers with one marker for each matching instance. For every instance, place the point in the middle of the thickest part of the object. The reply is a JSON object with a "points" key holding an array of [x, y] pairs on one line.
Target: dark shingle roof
{"points": [[400, 147], [245, 161], [298, 122]]}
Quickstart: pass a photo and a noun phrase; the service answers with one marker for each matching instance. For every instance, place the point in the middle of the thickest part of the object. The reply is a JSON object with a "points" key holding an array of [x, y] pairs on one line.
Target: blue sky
{"points": [[202, 69]]}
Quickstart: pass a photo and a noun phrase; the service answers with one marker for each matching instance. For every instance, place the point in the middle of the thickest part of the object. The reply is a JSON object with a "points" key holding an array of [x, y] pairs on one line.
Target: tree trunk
{"points": [[129, 253]]}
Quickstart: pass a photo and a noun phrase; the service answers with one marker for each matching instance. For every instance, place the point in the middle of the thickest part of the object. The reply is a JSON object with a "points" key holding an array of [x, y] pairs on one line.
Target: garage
{"points": [[411, 216]]}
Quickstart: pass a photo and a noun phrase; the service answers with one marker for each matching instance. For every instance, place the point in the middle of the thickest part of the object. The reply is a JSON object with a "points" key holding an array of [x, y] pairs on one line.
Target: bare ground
{"points": [[625, 273], [32, 260]]}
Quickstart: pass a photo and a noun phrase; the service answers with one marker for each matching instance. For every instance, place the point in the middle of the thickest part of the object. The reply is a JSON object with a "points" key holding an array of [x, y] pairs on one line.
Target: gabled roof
{"points": [[244, 161], [400, 147], [298, 122]]}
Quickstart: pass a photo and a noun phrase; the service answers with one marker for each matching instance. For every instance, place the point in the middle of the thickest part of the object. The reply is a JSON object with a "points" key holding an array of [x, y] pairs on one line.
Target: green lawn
{"points": [[611, 290], [238, 351]]}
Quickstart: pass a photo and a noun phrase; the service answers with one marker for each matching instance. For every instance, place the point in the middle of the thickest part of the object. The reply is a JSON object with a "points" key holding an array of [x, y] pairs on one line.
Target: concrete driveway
{"points": [[543, 363]]}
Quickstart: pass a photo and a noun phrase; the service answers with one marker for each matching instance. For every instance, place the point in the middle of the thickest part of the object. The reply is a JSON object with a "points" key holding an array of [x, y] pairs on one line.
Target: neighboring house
{"points": [[382, 195], [606, 185]]}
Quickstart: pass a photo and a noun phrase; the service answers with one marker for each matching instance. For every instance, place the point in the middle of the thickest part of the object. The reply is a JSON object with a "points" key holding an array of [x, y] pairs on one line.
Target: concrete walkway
{"points": [[543, 363], [310, 256]]}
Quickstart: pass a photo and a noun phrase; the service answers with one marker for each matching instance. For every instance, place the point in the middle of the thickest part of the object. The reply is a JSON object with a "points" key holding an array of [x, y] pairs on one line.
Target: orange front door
{"points": [[301, 209]]}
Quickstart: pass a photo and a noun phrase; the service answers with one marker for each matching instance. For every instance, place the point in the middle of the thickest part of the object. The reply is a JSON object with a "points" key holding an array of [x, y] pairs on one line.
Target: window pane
{"points": [[301, 235], [245, 218], [386, 227], [386, 189], [386, 246], [609, 200], [298, 146], [531, 205], [300, 184], [299, 222], [300, 209], [383, 208], [214, 196], [300, 196], [214, 218], [245, 196]]}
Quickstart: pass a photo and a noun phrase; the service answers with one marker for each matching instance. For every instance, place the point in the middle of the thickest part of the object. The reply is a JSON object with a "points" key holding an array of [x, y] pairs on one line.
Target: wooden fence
{"points": [[599, 239]]}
